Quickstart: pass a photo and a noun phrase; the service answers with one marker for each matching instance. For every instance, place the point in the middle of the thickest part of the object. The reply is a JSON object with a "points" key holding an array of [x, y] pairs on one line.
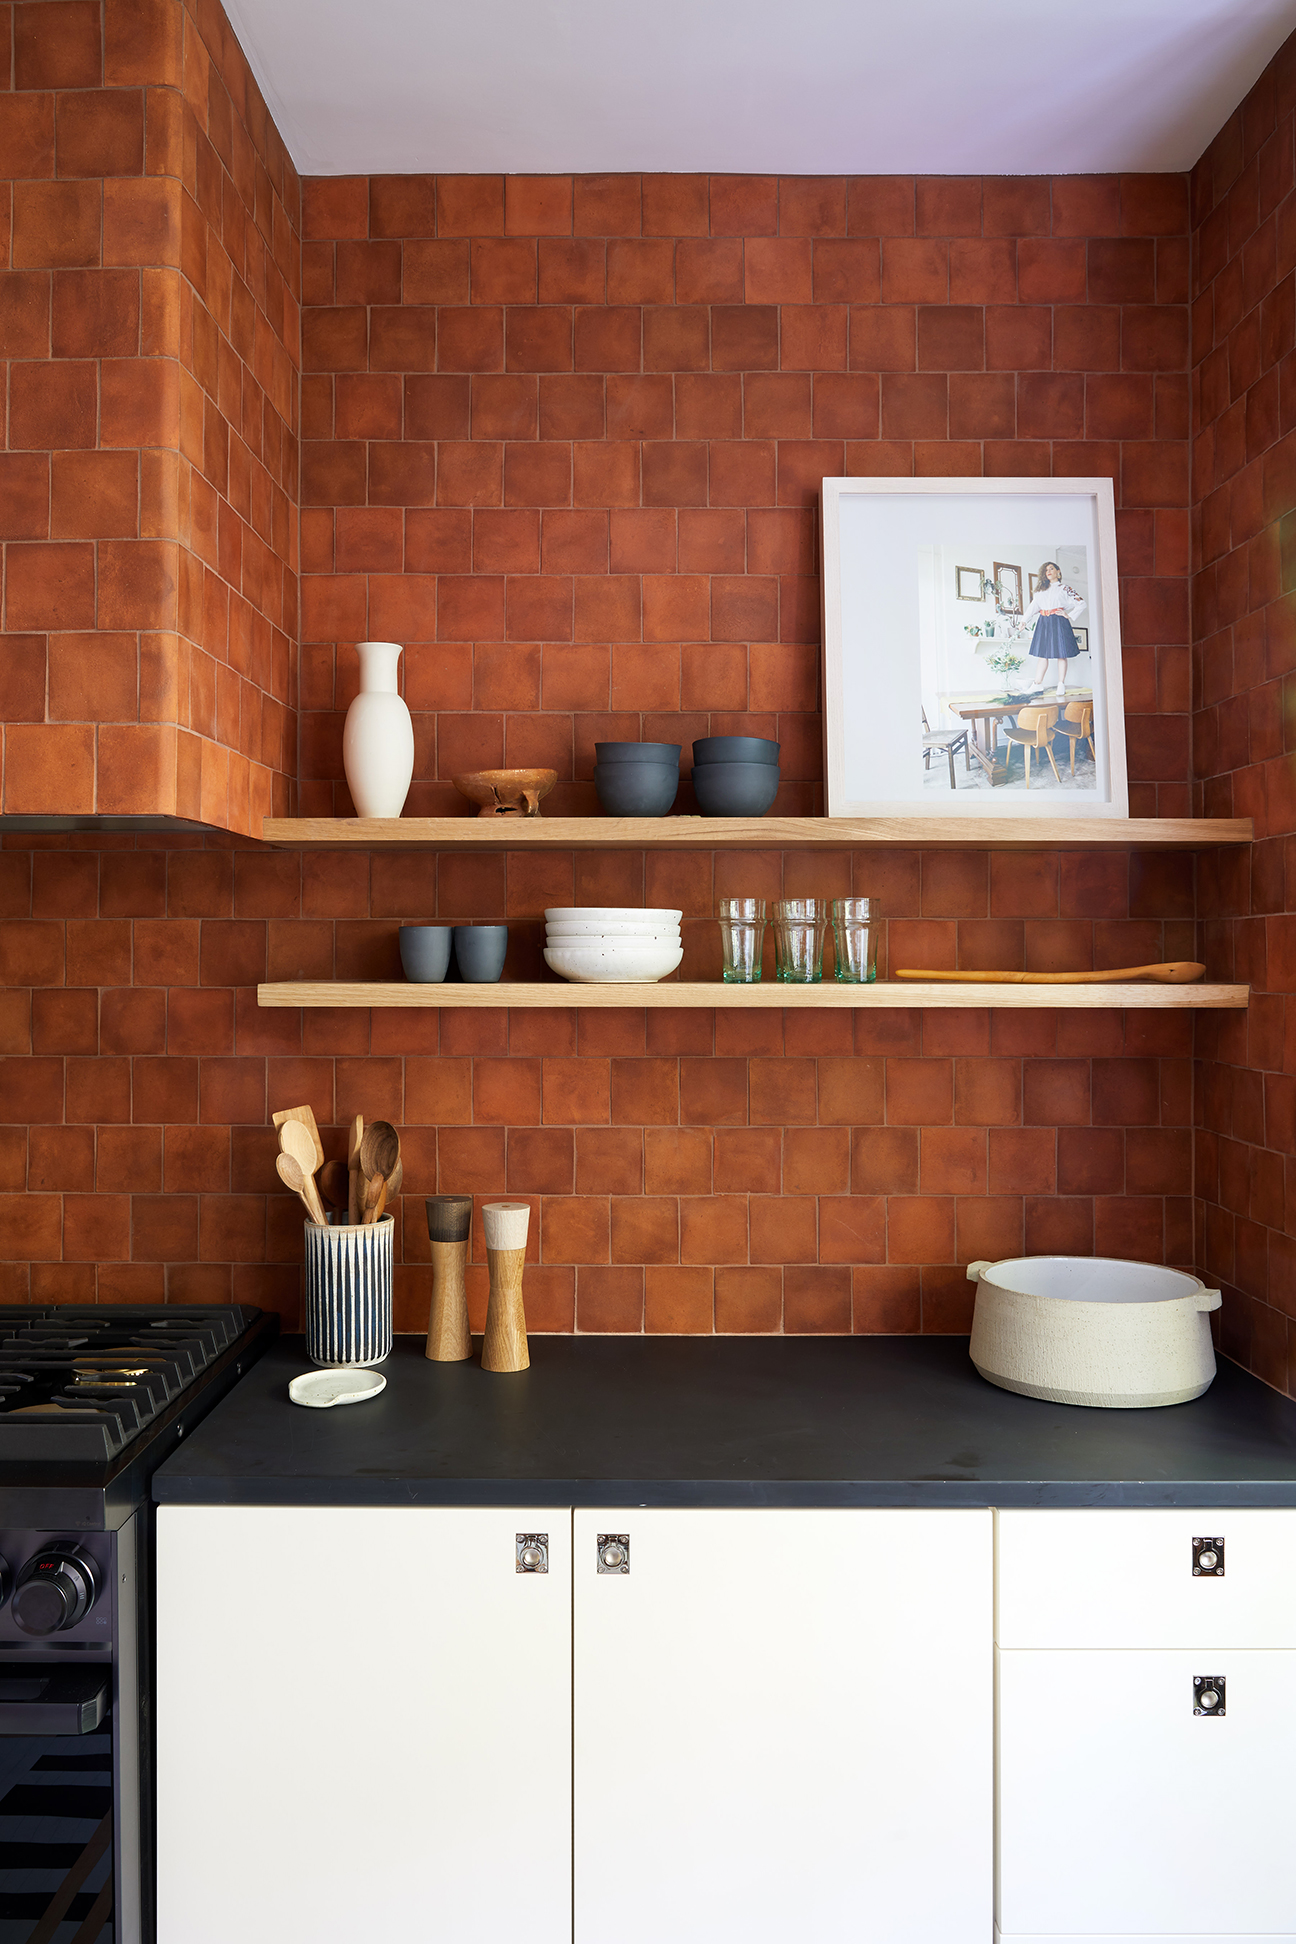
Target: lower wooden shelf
{"points": [[792, 998]]}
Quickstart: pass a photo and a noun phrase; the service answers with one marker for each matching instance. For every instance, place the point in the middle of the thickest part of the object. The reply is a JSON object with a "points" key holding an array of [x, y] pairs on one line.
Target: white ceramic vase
{"points": [[378, 741]]}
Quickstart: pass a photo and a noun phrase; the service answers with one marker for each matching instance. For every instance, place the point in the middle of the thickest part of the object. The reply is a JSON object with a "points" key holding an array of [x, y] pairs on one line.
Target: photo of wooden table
{"points": [[984, 712]]}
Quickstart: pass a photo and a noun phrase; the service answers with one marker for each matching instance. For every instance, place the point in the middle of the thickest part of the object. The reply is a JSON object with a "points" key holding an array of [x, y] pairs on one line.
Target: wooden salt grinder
{"points": [[505, 1347], [449, 1220]]}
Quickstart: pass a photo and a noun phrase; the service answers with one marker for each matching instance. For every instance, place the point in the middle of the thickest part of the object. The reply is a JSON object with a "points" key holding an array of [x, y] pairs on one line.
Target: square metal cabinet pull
{"points": [[533, 1552], [614, 1552], [1208, 1694], [1208, 1558]]}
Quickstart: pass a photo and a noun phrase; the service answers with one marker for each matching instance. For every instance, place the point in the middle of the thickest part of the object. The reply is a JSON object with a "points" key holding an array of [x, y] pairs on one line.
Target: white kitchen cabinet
{"points": [[1123, 1814], [783, 1727], [364, 1726], [1130, 1807]]}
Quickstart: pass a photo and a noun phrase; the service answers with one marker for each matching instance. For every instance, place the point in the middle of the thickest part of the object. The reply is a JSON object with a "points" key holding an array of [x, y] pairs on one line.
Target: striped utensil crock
{"points": [[349, 1293]]}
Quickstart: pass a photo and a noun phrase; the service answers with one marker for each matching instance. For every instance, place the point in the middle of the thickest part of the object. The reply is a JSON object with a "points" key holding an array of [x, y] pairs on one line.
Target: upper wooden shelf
{"points": [[755, 833], [828, 996]]}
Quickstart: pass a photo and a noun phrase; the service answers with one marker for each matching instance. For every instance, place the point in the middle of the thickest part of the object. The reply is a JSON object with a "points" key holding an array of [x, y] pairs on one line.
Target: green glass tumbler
{"points": [[799, 928], [855, 936], [742, 935]]}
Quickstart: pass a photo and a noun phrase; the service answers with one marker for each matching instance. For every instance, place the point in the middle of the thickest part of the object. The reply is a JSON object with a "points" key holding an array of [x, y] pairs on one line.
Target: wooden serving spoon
{"points": [[293, 1176], [379, 1153], [306, 1117], [1179, 972]]}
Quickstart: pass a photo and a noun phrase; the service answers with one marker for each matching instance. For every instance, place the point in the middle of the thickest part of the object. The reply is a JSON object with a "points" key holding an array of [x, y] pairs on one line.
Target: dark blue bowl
{"points": [[735, 749], [636, 789], [640, 752], [735, 789]]}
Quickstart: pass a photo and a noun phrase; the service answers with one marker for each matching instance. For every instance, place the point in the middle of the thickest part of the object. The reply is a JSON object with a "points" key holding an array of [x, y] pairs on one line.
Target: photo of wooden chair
{"points": [[948, 740], [1077, 726], [1033, 729]]}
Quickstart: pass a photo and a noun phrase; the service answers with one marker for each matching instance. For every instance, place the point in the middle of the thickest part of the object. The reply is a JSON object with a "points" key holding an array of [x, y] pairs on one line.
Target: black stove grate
{"points": [[80, 1381]]}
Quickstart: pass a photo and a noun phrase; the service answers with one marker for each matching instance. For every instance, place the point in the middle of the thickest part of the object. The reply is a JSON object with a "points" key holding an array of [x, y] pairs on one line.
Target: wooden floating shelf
{"points": [[823, 998], [755, 833]]}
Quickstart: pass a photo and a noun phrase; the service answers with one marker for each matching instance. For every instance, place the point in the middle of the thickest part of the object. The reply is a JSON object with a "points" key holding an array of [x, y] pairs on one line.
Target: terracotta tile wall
{"points": [[564, 439], [1244, 730], [688, 1171], [149, 317]]}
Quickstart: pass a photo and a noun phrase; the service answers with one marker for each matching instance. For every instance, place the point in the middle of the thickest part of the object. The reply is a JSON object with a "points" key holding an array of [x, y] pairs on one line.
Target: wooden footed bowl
{"points": [[507, 793]]}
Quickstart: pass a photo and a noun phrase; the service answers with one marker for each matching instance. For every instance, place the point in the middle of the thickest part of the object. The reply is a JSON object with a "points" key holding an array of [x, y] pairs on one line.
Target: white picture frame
{"points": [[885, 542]]}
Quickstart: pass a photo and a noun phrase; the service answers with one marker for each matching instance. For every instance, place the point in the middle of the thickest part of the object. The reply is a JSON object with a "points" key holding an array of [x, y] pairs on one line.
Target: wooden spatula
{"points": [[355, 1197], [1179, 972]]}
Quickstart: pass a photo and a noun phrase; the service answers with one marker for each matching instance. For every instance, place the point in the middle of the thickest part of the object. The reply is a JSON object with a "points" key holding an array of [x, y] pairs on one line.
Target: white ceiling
{"points": [[941, 87]]}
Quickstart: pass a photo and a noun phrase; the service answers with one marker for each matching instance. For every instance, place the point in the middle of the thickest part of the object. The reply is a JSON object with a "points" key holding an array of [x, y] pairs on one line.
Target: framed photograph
{"points": [[969, 584], [1009, 582], [902, 641]]}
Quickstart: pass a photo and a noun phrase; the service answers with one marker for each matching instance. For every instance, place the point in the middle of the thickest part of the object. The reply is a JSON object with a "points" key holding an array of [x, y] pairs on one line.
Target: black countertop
{"points": [[826, 1421]]}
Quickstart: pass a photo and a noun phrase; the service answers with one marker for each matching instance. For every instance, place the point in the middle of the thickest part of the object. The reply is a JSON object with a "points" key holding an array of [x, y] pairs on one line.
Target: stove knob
{"points": [[55, 1590]]}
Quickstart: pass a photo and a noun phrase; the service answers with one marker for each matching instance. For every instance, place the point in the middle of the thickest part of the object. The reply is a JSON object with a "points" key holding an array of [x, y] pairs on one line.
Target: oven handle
{"points": [[53, 1700]]}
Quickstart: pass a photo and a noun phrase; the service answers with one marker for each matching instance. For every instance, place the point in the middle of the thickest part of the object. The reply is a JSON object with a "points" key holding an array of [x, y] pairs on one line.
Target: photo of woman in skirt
{"points": [[1053, 610]]}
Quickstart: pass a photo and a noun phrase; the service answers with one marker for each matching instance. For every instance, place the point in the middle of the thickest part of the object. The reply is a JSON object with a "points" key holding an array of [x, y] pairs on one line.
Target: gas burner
{"points": [[81, 1383]]}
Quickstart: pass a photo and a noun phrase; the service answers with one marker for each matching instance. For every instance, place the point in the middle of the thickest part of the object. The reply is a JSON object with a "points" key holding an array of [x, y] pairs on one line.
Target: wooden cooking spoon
{"points": [[295, 1139], [306, 1117], [293, 1176], [334, 1183], [379, 1153], [1180, 972]]}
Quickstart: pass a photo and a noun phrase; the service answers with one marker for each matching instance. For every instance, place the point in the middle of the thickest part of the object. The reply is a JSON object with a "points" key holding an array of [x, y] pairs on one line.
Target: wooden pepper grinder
{"points": [[505, 1347], [449, 1220]]}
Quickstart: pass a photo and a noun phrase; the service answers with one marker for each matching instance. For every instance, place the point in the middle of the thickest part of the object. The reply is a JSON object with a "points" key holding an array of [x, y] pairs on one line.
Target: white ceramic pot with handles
{"points": [[1093, 1330]]}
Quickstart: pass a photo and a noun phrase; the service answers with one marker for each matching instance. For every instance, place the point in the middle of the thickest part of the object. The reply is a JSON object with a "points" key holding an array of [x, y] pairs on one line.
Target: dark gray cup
{"points": [[425, 952], [479, 952]]}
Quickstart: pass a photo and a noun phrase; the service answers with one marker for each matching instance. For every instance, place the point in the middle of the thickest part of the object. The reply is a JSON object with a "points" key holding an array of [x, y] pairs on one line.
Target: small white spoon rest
{"points": [[322, 1389]]}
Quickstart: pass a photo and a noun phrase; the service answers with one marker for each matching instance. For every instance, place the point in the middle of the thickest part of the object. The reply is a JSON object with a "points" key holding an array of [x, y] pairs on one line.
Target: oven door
{"points": [[56, 1804]]}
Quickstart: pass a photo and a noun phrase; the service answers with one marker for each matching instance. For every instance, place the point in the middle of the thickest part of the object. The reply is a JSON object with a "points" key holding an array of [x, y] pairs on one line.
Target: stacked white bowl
{"points": [[612, 944]]}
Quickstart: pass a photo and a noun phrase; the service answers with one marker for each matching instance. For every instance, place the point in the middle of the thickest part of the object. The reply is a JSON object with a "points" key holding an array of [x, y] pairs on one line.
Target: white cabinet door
{"points": [[1123, 1813], [784, 1728], [364, 1726]]}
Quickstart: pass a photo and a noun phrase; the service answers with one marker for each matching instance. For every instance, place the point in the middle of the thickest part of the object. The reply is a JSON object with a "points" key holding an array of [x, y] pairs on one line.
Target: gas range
{"points": [[92, 1399]]}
